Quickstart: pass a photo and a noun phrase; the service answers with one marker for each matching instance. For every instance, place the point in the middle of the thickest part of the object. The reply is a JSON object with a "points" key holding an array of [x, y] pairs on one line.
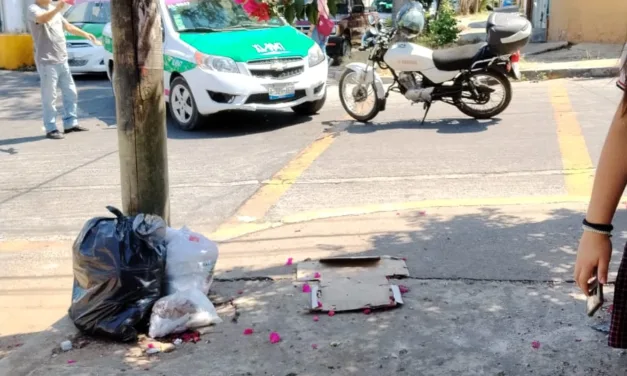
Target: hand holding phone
{"points": [[595, 297]]}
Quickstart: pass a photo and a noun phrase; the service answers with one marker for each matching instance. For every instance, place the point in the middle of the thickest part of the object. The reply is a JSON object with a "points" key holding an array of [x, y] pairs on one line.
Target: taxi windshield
{"points": [[213, 15], [96, 12]]}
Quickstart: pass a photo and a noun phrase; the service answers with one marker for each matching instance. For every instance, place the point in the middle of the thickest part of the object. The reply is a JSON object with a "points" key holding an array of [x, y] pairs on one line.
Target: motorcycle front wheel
{"points": [[358, 99], [494, 93]]}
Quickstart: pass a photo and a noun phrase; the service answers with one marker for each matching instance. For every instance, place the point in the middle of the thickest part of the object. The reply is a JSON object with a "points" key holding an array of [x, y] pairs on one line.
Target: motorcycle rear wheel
{"points": [[356, 94], [488, 113]]}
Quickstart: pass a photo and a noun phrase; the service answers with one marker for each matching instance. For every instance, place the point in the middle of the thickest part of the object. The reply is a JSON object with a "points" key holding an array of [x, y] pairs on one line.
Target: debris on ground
{"points": [[66, 345], [316, 318], [603, 327], [290, 261], [535, 344], [152, 350], [248, 331], [275, 337], [71, 361], [182, 311], [352, 283]]}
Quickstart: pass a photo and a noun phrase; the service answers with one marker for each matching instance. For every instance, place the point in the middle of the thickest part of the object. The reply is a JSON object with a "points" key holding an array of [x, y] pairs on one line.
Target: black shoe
{"points": [[55, 135], [76, 128]]}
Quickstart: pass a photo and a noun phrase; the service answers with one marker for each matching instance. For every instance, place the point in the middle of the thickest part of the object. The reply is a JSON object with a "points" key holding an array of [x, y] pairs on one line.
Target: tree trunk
{"points": [[140, 106]]}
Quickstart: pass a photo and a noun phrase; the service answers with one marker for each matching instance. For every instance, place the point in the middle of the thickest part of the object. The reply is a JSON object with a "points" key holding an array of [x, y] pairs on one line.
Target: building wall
{"points": [[13, 15], [597, 21], [16, 45]]}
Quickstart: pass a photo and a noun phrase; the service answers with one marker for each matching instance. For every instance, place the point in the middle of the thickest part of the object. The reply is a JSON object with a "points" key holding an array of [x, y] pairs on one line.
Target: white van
{"points": [[217, 58]]}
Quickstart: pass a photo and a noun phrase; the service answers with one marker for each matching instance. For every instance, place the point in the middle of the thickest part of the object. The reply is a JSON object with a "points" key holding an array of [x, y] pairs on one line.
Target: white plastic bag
{"points": [[180, 312], [190, 261]]}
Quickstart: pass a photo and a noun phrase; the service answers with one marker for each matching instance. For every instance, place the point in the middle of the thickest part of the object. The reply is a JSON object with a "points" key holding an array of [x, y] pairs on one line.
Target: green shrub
{"points": [[443, 29]]}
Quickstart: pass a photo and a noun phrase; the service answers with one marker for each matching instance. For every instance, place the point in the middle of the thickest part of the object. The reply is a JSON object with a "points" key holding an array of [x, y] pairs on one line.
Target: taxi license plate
{"points": [[281, 91]]}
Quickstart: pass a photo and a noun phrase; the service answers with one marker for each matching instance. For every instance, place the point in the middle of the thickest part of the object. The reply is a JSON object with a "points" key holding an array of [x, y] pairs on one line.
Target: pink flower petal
{"points": [[422, 212], [610, 309], [151, 345], [367, 311], [248, 331], [290, 261], [71, 361], [275, 337], [316, 318], [306, 287], [535, 344], [403, 289], [319, 304], [240, 292], [331, 313], [404, 259], [316, 275], [314, 346]]}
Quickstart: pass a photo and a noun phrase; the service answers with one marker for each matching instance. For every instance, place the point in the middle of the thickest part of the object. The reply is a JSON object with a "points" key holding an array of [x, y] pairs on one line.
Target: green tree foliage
{"points": [[443, 29]]}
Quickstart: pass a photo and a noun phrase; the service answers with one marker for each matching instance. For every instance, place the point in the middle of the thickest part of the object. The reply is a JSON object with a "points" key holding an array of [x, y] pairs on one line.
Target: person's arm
{"points": [[45, 17], [79, 33], [595, 250]]}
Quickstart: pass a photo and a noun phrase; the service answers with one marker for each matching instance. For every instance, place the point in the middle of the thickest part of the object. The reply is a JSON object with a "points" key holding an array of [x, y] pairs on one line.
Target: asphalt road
{"points": [[48, 189], [503, 200]]}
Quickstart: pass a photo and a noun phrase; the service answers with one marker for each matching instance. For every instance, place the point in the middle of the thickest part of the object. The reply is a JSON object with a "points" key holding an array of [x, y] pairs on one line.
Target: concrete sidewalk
{"points": [[485, 284]]}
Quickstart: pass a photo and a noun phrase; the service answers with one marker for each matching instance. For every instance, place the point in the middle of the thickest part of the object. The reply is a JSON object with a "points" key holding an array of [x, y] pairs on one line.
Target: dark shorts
{"points": [[618, 329]]}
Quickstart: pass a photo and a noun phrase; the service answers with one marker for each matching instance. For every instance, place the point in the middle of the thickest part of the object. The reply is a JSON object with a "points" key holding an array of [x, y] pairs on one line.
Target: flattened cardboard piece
{"points": [[350, 294], [342, 267]]}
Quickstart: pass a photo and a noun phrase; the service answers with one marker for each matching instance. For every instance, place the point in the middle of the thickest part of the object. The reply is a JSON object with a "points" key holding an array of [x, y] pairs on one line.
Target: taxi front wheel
{"points": [[310, 108], [183, 106]]}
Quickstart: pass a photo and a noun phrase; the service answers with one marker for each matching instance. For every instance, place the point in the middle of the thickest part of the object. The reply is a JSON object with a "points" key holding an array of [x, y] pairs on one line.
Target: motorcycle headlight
{"points": [[216, 63], [315, 55]]}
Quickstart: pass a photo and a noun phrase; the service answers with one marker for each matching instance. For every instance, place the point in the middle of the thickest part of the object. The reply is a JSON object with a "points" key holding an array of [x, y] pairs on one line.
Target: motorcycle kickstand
{"points": [[427, 108]]}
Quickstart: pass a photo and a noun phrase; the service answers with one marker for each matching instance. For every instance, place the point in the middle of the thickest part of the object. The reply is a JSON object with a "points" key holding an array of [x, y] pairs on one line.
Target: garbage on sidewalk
{"points": [[190, 261], [119, 269], [352, 283], [181, 311], [123, 267]]}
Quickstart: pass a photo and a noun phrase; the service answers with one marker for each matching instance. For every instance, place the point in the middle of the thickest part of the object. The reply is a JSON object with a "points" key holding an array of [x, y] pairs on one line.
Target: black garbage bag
{"points": [[119, 273]]}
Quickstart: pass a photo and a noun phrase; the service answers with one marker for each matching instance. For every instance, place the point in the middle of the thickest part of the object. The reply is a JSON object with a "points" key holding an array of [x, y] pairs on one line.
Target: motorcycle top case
{"points": [[507, 32], [119, 273]]}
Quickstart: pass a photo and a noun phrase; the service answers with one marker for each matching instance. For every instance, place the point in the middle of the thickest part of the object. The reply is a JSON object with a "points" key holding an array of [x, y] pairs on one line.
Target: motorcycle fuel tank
{"points": [[410, 57]]}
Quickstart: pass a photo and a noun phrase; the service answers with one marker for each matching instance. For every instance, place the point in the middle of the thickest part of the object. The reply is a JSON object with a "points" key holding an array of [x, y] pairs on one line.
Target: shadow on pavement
{"points": [[443, 126], [21, 140], [485, 243], [238, 123]]}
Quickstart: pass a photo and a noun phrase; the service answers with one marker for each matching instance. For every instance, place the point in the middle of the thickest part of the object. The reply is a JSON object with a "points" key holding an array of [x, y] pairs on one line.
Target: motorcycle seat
{"points": [[457, 58]]}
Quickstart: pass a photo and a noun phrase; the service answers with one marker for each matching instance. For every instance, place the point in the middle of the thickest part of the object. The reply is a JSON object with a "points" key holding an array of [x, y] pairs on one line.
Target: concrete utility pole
{"points": [[140, 106]]}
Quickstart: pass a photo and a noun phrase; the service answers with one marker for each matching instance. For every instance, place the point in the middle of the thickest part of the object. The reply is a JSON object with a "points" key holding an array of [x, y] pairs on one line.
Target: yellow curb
{"points": [[16, 51]]}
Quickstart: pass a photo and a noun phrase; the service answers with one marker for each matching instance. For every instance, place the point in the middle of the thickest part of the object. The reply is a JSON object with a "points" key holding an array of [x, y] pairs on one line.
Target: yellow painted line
{"points": [[268, 194], [573, 148], [251, 214]]}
